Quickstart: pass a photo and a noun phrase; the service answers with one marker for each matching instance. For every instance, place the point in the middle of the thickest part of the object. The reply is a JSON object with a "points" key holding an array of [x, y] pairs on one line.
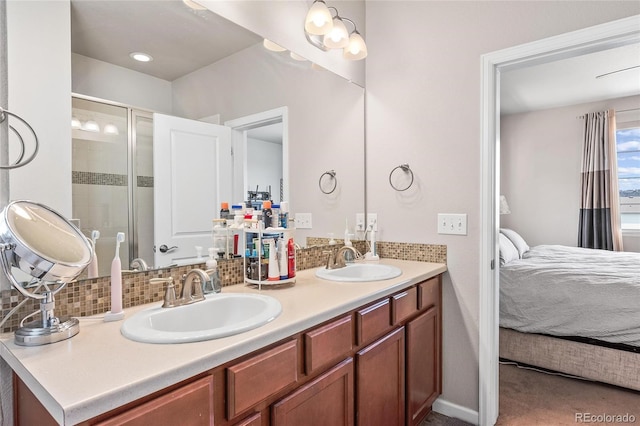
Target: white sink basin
{"points": [[220, 315], [358, 272]]}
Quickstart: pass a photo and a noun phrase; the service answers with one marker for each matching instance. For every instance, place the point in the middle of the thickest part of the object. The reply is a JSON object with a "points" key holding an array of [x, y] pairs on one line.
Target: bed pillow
{"points": [[508, 251], [517, 240]]}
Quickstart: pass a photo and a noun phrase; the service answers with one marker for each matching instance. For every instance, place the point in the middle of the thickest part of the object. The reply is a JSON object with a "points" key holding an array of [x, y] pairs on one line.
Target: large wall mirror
{"points": [[209, 69]]}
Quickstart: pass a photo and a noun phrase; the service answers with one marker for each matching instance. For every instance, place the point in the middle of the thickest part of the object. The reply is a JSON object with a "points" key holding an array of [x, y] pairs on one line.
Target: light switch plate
{"points": [[303, 220], [450, 223]]}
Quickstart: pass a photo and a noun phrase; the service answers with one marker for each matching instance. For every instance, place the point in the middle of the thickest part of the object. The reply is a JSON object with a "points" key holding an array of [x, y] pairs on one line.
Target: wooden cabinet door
{"points": [[190, 405], [327, 400], [380, 398], [423, 365]]}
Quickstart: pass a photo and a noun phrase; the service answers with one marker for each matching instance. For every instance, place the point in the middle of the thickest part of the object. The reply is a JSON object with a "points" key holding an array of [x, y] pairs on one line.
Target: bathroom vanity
{"points": [[340, 353]]}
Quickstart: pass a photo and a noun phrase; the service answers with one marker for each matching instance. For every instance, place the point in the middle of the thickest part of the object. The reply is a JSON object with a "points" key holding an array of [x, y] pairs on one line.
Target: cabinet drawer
{"points": [[328, 343], [253, 380], [255, 420], [191, 404], [373, 321], [404, 304], [429, 293]]}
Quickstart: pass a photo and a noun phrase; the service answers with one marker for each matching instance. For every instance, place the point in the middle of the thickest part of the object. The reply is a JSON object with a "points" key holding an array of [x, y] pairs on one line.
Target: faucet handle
{"points": [[169, 294]]}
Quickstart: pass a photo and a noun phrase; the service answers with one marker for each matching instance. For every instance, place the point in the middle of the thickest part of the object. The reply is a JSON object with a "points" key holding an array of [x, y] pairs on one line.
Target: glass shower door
{"points": [[100, 184]]}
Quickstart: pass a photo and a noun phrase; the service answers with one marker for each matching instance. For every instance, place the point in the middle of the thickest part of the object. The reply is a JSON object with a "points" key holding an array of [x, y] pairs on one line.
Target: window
{"points": [[628, 148]]}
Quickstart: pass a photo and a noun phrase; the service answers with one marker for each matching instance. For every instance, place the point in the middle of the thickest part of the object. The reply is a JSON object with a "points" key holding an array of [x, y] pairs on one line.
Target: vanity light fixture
{"points": [[330, 32], [318, 20], [357, 48], [111, 129], [338, 37], [75, 123], [194, 5], [269, 45], [297, 57], [91, 126], [141, 56]]}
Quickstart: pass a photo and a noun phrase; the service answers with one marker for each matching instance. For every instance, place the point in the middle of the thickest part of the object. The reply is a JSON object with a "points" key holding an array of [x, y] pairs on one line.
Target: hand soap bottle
{"points": [[215, 284]]}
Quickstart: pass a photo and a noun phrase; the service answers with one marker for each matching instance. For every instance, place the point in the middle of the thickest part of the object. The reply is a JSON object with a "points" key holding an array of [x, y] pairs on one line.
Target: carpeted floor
{"points": [[529, 398]]}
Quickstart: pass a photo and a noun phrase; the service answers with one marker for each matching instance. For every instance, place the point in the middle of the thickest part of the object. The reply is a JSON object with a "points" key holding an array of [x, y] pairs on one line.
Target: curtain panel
{"points": [[599, 224]]}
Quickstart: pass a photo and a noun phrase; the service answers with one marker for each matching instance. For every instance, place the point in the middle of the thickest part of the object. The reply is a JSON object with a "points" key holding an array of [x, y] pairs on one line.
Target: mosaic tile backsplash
{"points": [[93, 296]]}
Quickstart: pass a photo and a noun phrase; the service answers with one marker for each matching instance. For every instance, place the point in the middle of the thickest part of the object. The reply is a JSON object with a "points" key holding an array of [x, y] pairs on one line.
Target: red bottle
{"points": [[291, 254]]}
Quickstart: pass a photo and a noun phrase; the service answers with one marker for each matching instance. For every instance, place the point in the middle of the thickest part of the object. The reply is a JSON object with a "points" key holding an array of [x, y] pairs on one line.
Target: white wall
{"points": [[326, 125], [423, 107], [113, 83], [264, 165], [38, 38], [541, 157]]}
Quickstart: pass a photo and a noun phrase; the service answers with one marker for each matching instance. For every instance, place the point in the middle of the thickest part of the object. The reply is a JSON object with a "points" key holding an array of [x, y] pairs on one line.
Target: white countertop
{"points": [[98, 369]]}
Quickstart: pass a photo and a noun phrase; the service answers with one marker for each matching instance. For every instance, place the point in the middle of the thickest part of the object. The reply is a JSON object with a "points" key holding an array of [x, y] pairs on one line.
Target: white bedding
{"points": [[570, 291]]}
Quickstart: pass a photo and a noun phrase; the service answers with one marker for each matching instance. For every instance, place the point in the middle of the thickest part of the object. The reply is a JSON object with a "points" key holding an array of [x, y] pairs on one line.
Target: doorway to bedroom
{"points": [[573, 44]]}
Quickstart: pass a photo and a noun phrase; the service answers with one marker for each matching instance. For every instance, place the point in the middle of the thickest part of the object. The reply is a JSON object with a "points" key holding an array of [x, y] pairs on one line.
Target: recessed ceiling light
{"points": [[142, 57]]}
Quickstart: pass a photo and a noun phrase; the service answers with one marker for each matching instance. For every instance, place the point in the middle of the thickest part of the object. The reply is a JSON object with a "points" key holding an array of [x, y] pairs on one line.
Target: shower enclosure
{"points": [[112, 178]]}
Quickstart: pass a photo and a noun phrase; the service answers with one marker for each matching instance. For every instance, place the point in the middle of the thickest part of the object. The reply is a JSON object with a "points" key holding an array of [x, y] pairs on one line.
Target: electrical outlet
{"points": [[372, 221], [360, 222], [303, 220], [455, 224]]}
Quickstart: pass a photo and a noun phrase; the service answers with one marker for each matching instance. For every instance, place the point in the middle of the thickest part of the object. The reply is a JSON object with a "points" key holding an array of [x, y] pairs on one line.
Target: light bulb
{"points": [[318, 20], [75, 123], [357, 49], [338, 37], [111, 129], [268, 44], [91, 126]]}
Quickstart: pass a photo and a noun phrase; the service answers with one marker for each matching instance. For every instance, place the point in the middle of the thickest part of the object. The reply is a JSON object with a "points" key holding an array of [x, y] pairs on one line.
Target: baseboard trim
{"points": [[450, 409]]}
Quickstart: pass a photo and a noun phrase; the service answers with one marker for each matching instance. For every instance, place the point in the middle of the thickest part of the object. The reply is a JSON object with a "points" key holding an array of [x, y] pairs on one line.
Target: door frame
{"points": [[575, 43], [239, 128]]}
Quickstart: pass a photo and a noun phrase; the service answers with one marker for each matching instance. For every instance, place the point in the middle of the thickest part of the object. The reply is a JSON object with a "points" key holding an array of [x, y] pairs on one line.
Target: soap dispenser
{"points": [[215, 284]]}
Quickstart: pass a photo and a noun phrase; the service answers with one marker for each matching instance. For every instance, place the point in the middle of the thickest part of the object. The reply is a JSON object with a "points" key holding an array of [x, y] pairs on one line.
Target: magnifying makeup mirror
{"points": [[42, 243]]}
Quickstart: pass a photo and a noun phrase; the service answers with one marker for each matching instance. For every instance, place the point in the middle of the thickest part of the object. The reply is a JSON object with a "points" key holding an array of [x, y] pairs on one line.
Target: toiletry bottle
{"points": [[284, 214], [283, 258], [275, 215], [220, 236], [274, 271], [267, 214], [224, 210], [291, 255], [347, 240], [212, 271]]}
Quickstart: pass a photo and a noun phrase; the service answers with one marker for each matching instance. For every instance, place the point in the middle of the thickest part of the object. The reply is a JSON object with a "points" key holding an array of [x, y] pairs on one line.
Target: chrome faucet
{"points": [[339, 260], [193, 283], [138, 264]]}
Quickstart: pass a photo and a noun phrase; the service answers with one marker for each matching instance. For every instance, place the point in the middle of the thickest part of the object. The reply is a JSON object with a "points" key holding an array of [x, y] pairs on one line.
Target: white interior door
{"points": [[192, 176]]}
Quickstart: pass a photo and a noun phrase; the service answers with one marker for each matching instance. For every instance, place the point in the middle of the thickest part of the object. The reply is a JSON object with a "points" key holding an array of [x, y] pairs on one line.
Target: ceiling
{"points": [[182, 40], [572, 81]]}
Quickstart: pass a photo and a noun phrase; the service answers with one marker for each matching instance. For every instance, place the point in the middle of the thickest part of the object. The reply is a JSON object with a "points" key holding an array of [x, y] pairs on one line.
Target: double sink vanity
{"points": [[329, 350]]}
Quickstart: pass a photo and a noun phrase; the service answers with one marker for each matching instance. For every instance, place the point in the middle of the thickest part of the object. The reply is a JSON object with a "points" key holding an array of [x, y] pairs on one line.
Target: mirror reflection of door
{"points": [[192, 174]]}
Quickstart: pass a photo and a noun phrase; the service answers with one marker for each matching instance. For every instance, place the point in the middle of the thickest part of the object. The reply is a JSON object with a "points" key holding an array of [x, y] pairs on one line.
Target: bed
{"points": [[571, 310]]}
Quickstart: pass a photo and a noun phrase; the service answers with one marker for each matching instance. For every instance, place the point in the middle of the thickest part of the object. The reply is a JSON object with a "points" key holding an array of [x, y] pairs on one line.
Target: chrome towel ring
{"points": [[21, 161], [328, 175], [405, 168]]}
